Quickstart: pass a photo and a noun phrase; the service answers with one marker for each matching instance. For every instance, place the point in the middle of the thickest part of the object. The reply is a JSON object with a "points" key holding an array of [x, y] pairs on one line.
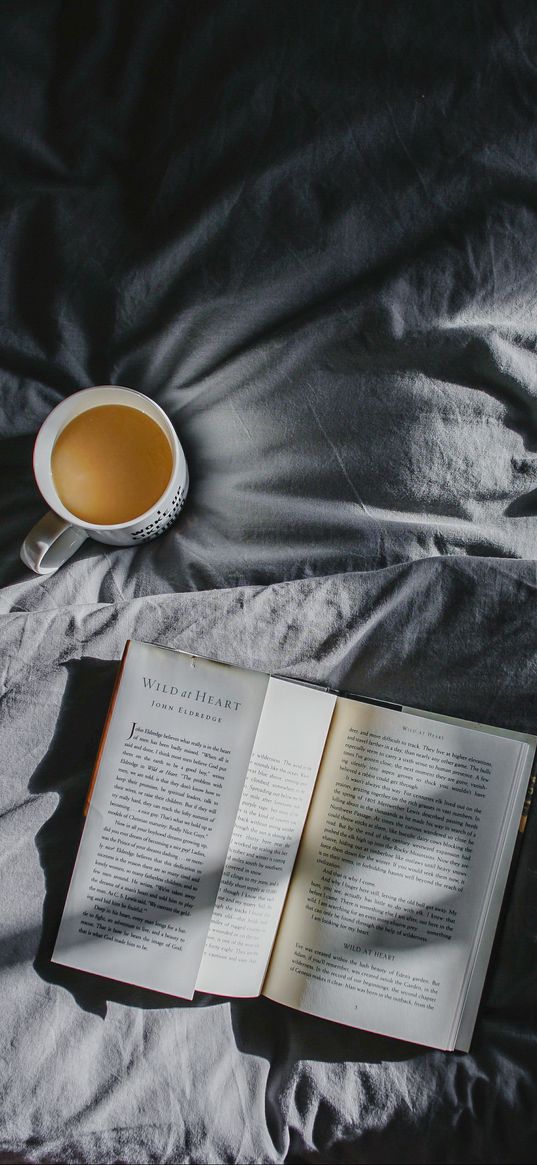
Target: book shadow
{"points": [[282, 1035], [66, 770]]}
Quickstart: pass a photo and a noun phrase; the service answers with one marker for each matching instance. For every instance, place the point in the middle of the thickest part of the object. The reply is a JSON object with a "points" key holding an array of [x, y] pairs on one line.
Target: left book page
{"points": [[168, 784]]}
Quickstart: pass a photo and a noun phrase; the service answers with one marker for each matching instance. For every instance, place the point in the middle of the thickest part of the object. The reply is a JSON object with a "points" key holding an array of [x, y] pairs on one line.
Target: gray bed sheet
{"points": [[322, 265], [94, 1071]]}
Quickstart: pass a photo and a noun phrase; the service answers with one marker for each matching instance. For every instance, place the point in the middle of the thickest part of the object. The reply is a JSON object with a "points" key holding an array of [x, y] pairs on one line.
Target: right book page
{"points": [[396, 890]]}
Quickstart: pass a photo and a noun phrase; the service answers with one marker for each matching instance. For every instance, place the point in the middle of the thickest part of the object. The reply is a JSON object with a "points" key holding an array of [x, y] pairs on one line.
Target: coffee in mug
{"points": [[110, 464]]}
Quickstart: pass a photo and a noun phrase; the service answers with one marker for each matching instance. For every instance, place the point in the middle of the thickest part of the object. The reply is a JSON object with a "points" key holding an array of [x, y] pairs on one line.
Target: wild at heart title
{"points": [[196, 695]]}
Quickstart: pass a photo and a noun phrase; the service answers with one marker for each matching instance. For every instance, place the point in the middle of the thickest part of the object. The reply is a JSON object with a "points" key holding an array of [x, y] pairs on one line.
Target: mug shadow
{"points": [[66, 770]]}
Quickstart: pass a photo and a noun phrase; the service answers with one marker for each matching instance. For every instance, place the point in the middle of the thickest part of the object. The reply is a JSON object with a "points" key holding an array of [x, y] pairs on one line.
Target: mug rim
{"points": [[50, 494]]}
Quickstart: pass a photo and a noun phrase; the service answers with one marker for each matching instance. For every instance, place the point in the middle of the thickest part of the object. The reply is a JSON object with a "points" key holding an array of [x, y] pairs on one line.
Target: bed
{"points": [[308, 231]]}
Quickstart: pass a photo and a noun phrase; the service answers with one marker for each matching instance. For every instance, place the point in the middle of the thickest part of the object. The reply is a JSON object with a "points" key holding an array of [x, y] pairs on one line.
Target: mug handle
{"points": [[50, 543]]}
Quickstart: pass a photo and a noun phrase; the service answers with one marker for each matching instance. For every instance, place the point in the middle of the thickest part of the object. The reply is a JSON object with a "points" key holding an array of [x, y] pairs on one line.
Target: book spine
{"points": [[105, 729], [366, 699], [529, 798]]}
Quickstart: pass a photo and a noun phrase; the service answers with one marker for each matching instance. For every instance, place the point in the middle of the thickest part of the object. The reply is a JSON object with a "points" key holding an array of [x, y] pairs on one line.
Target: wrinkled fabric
{"points": [[308, 231], [98, 1071]]}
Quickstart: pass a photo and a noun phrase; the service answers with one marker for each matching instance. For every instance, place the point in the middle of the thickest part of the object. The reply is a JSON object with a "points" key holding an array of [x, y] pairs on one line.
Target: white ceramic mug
{"points": [[56, 537]]}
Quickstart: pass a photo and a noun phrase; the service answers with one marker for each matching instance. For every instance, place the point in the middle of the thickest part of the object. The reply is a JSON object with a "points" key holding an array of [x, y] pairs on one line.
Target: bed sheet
{"points": [[307, 230]]}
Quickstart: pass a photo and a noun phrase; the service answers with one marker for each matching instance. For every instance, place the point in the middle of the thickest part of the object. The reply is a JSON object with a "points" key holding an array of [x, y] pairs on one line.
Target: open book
{"points": [[248, 834]]}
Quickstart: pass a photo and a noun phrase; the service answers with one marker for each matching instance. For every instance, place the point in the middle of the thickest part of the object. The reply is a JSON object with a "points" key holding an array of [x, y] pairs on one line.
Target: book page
{"points": [[394, 872], [168, 785], [275, 799]]}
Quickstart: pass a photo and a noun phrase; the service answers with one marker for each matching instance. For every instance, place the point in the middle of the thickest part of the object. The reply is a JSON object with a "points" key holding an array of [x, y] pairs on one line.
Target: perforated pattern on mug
{"points": [[161, 520]]}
